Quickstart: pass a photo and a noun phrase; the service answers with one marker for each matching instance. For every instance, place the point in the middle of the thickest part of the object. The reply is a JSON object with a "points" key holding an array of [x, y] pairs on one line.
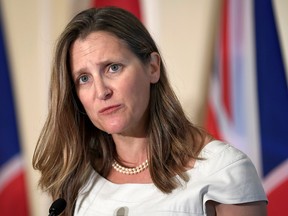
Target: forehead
{"points": [[97, 41], [98, 49]]}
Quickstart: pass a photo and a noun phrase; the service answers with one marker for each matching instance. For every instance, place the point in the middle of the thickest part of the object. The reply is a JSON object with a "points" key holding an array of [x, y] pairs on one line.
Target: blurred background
{"points": [[227, 61]]}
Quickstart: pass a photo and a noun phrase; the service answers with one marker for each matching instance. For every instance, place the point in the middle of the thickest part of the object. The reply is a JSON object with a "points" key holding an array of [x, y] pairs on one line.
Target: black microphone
{"points": [[57, 207]]}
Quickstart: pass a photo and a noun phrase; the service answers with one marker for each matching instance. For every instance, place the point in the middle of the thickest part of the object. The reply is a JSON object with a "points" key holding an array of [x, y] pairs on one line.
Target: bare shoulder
{"points": [[258, 208]]}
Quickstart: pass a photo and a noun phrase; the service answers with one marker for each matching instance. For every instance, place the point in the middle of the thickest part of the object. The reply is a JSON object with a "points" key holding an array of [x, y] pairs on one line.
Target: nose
{"points": [[103, 92]]}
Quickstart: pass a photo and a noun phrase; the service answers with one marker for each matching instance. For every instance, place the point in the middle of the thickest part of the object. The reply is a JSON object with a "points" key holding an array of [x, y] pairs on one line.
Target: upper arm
{"points": [[258, 208]]}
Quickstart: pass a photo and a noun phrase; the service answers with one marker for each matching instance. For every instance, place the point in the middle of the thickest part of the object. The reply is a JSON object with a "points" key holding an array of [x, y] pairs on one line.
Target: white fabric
{"points": [[226, 176]]}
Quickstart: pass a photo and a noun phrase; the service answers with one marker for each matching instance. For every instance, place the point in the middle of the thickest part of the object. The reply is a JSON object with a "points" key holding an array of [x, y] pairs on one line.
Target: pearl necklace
{"points": [[130, 171]]}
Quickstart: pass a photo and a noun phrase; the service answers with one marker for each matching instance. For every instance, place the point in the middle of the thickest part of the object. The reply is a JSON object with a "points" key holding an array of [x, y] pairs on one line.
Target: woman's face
{"points": [[112, 84]]}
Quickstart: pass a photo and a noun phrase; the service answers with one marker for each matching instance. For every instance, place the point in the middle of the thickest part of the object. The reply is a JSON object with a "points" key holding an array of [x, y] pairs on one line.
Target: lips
{"points": [[110, 109]]}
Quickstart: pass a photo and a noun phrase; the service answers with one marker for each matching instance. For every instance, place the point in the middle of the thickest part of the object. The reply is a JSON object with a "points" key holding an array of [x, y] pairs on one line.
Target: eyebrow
{"points": [[85, 69], [75, 74]]}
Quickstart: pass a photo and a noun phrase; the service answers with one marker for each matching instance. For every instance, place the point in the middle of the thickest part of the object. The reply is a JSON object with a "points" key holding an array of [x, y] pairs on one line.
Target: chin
{"points": [[117, 127], [114, 130]]}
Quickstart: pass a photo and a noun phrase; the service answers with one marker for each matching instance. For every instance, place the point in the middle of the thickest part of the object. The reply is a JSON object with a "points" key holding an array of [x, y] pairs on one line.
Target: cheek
{"points": [[140, 92], [84, 98]]}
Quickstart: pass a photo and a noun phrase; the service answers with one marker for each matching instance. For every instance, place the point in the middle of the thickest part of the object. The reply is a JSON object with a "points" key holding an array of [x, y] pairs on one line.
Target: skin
{"points": [[245, 209], [114, 87]]}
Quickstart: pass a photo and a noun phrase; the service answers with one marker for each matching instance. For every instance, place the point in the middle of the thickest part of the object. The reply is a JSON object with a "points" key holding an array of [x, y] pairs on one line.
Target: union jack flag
{"points": [[248, 105]]}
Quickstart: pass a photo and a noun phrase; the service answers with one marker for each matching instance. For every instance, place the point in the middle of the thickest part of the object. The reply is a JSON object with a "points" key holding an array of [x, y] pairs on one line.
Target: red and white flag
{"points": [[130, 5]]}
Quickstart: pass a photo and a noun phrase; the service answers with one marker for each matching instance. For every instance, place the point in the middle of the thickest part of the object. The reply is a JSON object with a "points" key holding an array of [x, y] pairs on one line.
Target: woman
{"points": [[116, 140]]}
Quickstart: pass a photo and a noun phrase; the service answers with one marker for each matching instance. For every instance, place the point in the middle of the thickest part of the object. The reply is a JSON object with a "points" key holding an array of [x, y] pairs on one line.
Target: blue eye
{"points": [[114, 68], [83, 79]]}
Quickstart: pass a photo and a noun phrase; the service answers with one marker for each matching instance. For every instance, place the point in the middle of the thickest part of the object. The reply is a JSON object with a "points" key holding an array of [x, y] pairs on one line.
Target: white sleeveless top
{"points": [[225, 176]]}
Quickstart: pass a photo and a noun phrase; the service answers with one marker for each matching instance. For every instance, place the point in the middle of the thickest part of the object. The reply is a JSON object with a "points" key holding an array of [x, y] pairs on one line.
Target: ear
{"points": [[154, 67]]}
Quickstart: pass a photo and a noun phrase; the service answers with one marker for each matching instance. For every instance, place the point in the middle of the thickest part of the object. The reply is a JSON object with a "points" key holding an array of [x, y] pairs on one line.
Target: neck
{"points": [[131, 151]]}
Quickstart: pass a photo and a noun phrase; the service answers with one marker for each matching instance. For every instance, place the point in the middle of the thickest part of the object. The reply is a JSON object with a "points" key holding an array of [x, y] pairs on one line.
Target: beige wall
{"points": [[183, 30], [187, 30], [281, 9]]}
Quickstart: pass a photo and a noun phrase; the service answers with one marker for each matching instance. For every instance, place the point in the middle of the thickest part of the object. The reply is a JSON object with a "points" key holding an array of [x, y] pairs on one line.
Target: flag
{"points": [[130, 5], [13, 199], [273, 103], [248, 102]]}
